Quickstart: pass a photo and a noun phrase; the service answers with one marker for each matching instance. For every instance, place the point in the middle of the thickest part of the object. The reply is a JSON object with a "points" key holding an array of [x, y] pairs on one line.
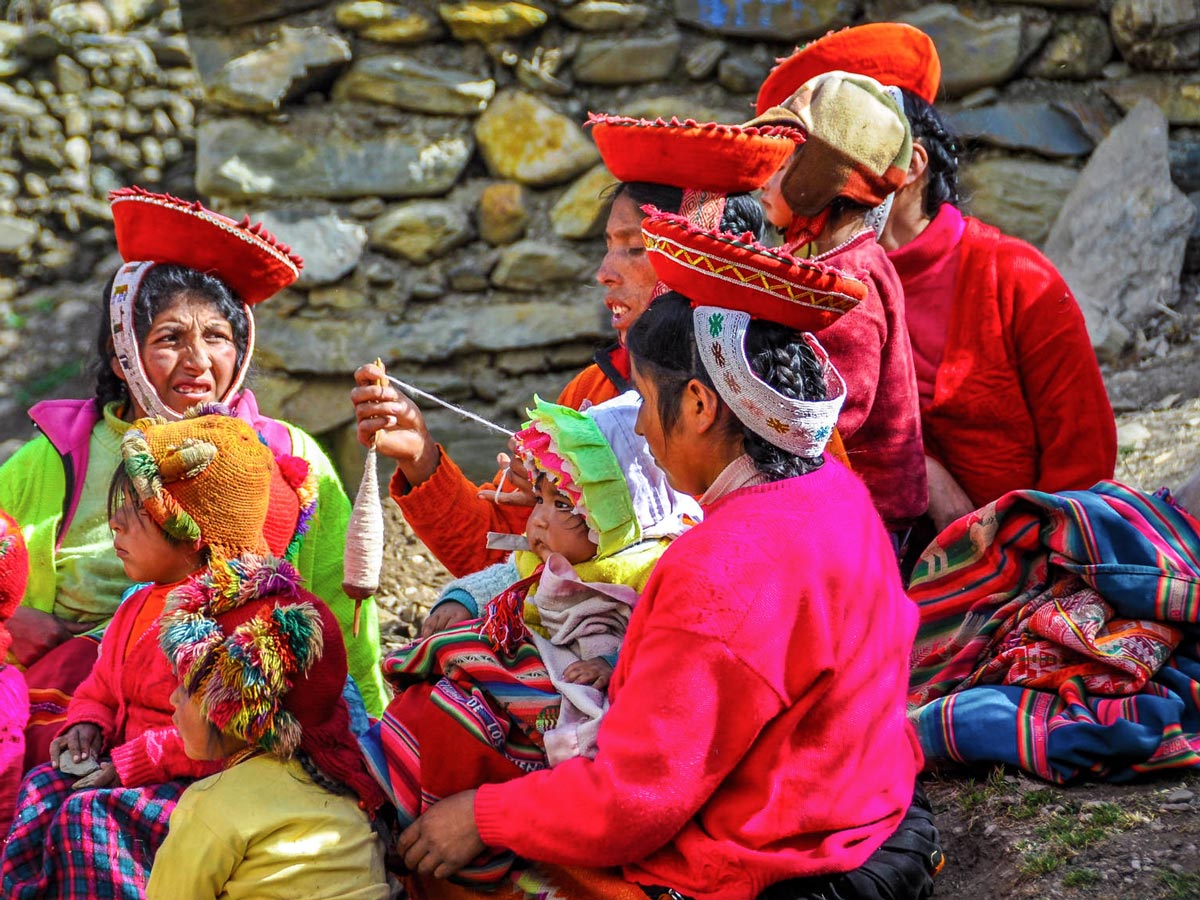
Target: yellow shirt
{"points": [[264, 830]]}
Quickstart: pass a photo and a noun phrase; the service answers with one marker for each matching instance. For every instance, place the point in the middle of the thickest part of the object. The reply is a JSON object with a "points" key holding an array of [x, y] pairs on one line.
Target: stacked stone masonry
{"points": [[428, 159]]}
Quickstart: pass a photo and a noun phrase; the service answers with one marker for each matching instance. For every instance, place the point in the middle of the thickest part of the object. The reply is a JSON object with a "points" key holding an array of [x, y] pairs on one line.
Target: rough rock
{"points": [[490, 20], [1024, 125], [742, 74], [400, 81], [1021, 197], [296, 62], [701, 61], [335, 346], [605, 15], [312, 156], [776, 20], [1157, 34], [1178, 96], [17, 235], [627, 60], [580, 212], [531, 265], [977, 52], [422, 230], [14, 104], [503, 214], [1184, 154], [523, 139], [224, 13], [330, 245], [388, 23], [1124, 190], [1079, 48]]}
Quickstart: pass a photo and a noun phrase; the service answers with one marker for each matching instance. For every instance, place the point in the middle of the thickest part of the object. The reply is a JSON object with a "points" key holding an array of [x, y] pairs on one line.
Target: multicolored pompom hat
{"points": [[892, 53], [730, 281], [156, 229], [597, 459]]}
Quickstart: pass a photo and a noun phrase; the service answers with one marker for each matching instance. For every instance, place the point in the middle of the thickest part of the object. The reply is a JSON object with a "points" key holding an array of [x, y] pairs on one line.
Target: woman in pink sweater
{"points": [[757, 732]]}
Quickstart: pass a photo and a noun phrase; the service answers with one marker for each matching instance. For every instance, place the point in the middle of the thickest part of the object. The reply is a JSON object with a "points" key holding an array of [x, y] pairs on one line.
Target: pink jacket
{"points": [[128, 697]]}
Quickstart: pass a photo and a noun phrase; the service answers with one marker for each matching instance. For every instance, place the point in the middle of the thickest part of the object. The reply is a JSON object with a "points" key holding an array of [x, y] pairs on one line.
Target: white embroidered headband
{"points": [[801, 427]]}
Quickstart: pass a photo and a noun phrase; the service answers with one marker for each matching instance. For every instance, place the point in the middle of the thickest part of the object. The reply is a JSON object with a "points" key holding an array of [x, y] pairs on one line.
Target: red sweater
{"points": [[757, 729], [1018, 400], [880, 421], [128, 695], [459, 541]]}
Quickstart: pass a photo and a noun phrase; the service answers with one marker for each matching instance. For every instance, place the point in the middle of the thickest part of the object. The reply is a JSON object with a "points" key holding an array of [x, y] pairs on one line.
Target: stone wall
{"points": [[427, 158]]}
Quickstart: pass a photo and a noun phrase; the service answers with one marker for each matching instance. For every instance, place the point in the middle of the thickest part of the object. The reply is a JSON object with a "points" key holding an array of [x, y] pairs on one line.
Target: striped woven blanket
{"points": [[1061, 633]]}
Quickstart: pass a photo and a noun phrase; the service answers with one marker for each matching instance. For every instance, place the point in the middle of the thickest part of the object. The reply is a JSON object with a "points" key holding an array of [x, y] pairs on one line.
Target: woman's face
{"points": [[775, 208], [669, 448], [189, 354], [625, 272]]}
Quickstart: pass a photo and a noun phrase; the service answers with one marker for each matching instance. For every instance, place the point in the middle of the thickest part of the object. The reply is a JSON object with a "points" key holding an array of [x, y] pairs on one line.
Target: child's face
{"points": [[553, 528], [200, 739], [145, 550], [777, 211]]}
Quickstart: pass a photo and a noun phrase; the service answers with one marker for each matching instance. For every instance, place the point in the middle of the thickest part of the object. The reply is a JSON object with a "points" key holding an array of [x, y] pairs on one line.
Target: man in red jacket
{"points": [[1010, 392]]}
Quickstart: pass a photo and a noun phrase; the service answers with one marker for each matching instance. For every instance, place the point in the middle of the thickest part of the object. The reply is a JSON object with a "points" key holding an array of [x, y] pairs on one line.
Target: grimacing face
{"points": [[625, 272]]}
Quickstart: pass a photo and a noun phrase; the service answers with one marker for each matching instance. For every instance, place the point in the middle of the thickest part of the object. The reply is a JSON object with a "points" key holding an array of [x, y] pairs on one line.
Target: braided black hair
{"points": [[162, 288], [320, 779], [930, 130], [742, 212], [662, 343]]}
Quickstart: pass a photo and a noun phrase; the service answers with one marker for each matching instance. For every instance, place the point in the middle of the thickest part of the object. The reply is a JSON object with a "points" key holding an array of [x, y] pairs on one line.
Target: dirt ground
{"points": [[1007, 836]]}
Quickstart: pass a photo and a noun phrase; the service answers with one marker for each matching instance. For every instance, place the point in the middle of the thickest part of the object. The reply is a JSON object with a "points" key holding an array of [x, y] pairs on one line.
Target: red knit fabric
{"points": [[753, 686], [459, 540], [14, 575], [129, 697], [880, 420], [1018, 400]]}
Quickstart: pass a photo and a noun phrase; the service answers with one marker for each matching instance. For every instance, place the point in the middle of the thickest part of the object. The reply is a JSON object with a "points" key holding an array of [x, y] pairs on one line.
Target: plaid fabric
{"points": [[83, 844], [1061, 633]]}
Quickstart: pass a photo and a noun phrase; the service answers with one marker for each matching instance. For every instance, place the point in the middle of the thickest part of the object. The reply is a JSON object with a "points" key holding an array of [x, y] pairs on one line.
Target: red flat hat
{"points": [[890, 52], [719, 159], [714, 268], [164, 229]]}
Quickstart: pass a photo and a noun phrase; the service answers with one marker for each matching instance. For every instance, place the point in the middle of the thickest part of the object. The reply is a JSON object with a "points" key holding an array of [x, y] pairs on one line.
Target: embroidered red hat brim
{"points": [[713, 268], [892, 53], [720, 159], [164, 229]]}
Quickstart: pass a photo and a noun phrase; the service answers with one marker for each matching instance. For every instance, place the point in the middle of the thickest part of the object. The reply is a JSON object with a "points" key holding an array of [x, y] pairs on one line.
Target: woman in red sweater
{"points": [[757, 732]]}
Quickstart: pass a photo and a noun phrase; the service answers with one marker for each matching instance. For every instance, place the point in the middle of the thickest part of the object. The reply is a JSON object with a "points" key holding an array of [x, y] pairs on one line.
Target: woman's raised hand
{"points": [[517, 488], [397, 424]]}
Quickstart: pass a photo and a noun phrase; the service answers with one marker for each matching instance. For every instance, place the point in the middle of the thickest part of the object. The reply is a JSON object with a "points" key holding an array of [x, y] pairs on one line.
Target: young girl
{"points": [[14, 695], [856, 154], [260, 692], [527, 678], [189, 512]]}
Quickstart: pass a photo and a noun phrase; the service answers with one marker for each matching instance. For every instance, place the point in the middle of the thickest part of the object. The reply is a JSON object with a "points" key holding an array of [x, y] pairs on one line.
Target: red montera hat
{"points": [[890, 52], [160, 228], [720, 159], [714, 268]]}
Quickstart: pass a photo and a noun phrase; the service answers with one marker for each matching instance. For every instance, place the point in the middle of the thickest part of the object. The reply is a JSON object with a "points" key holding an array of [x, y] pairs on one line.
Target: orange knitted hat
{"points": [[211, 478]]}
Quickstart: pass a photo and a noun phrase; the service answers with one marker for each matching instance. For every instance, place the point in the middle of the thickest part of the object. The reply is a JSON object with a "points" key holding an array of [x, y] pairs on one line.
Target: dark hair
{"points": [[662, 343], [928, 127], [121, 484], [162, 288], [742, 212]]}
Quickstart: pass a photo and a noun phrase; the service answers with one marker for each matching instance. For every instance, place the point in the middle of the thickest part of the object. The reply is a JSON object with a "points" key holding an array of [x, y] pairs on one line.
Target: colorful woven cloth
{"points": [[454, 686], [540, 881], [85, 844], [1061, 633]]}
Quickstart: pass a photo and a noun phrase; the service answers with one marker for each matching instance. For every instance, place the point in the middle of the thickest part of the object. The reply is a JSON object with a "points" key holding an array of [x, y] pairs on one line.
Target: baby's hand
{"points": [[596, 672], [446, 616]]}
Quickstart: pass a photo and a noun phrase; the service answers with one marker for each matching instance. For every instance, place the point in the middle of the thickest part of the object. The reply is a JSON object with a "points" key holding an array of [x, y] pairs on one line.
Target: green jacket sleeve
{"points": [[320, 564], [32, 490]]}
